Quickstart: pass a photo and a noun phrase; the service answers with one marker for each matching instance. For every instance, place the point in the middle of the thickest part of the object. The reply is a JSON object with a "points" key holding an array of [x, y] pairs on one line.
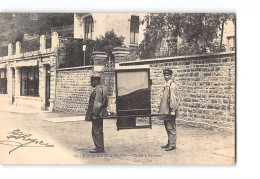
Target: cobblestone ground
{"points": [[72, 140]]}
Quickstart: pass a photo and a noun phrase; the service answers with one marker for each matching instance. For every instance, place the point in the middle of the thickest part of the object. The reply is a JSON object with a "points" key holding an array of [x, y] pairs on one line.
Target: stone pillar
{"points": [[9, 83], [42, 84], [99, 58], [121, 54], [10, 49], [42, 43], [53, 79], [18, 48], [54, 40], [133, 47], [100, 61], [17, 81], [134, 54]]}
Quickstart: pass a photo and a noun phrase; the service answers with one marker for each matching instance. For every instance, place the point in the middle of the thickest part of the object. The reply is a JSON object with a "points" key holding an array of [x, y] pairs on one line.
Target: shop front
{"points": [[28, 82]]}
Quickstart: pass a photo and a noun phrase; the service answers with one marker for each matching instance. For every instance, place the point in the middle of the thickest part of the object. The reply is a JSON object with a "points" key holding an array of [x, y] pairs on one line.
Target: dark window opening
{"points": [[3, 81], [134, 29], [89, 27], [231, 43], [30, 81]]}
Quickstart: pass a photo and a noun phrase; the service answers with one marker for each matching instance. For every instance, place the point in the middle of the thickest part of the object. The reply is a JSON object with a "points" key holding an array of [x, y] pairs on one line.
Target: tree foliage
{"points": [[71, 54], [104, 43], [193, 33], [13, 26]]}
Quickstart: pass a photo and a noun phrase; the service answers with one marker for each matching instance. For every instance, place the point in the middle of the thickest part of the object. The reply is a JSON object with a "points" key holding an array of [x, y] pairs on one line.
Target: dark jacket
{"points": [[97, 107]]}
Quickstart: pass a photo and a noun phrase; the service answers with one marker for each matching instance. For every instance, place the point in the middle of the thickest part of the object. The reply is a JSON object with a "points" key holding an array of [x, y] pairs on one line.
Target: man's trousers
{"points": [[170, 126], [97, 133]]}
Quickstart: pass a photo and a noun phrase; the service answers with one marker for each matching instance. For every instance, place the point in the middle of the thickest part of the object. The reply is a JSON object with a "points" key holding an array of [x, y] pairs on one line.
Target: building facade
{"points": [[28, 75], [93, 25], [28, 78], [229, 36]]}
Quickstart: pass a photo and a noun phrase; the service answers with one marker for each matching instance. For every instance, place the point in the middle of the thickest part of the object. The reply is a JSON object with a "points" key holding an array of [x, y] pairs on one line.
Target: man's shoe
{"points": [[97, 151], [170, 148], [165, 146]]}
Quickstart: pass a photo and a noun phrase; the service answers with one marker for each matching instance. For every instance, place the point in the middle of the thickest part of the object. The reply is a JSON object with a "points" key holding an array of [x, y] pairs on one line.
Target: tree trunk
{"points": [[222, 31]]}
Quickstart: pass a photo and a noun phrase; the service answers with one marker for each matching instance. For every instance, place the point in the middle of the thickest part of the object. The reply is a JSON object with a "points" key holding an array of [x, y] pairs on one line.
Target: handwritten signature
{"points": [[21, 139]]}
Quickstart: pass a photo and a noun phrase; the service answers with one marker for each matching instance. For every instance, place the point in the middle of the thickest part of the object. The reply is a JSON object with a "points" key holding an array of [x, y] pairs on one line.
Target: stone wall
{"points": [[206, 86], [73, 89]]}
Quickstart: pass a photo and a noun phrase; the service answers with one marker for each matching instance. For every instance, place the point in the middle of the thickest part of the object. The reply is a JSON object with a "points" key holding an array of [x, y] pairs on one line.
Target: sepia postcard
{"points": [[118, 88]]}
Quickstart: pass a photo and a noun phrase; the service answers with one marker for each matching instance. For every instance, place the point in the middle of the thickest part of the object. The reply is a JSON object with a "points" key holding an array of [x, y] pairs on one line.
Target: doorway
{"points": [[13, 85], [47, 87]]}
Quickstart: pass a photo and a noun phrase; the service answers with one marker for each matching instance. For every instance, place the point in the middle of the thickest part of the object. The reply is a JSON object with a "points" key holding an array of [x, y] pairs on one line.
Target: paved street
{"points": [[71, 137]]}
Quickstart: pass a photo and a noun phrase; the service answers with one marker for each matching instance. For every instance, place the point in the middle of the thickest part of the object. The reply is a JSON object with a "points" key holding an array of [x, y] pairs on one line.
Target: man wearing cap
{"points": [[97, 109], [169, 107]]}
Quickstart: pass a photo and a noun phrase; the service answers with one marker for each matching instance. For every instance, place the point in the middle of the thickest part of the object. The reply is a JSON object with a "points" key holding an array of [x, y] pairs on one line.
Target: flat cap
{"points": [[167, 71], [95, 74]]}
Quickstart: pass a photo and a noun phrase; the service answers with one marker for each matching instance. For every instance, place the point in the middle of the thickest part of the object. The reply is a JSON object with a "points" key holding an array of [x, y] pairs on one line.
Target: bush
{"points": [[71, 54], [3, 51], [30, 45]]}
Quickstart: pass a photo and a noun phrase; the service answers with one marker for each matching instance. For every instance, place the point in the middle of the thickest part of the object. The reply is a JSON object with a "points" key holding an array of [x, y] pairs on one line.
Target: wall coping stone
{"points": [[133, 45], [73, 68], [99, 53], [120, 52], [123, 48], [176, 58]]}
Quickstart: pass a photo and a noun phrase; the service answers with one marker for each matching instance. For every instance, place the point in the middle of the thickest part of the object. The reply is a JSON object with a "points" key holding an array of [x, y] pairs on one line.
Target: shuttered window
{"points": [[89, 27], [134, 29]]}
